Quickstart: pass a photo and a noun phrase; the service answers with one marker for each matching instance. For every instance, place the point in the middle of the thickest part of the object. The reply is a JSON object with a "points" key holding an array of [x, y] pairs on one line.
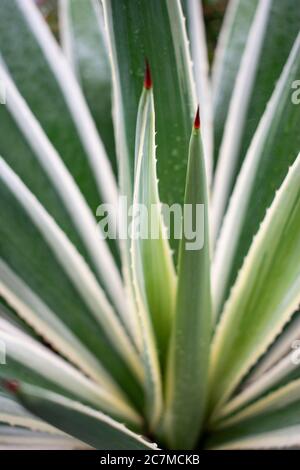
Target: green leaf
{"points": [[36, 313], [196, 31], [230, 48], [263, 395], [15, 415], [27, 359], [17, 438], [61, 110], [82, 422], [84, 44], [48, 177], [284, 372], [265, 296], [279, 349], [143, 287], [149, 233], [186, 388], [273, 149], [135, 29], [275, 22], [8, 313], [40, 254], [273, 422]]}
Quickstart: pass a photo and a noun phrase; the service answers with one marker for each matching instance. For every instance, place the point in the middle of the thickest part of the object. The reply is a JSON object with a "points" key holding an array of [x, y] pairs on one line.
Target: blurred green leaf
{"points": [[26, 248], [273, 422], [271, 37], [55, 99], [265, 295], [273, 149], [18, 438], [15, 415], [84, 44], [90, 426], [230, 47], [26, 359]]}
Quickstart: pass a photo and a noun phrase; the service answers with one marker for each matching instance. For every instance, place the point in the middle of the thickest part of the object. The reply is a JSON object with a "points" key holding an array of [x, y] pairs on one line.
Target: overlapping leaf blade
{"points": [[88, 425], [273, 148], [18, 438], [64, 117], [135, 30], [261, 64], [39, 262], [193, 11], [49, 177], [15, 415], [230, 47], [265, 295], [30, 361], [273, 422], [84, 44], [151, 246]]}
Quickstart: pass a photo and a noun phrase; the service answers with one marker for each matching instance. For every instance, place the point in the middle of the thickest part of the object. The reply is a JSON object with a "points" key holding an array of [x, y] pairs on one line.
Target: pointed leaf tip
{"points": [[12, 386], [147, 79], [197, 119]]}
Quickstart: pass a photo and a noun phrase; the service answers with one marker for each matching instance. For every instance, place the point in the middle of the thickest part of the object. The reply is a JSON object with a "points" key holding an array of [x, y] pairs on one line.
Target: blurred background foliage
{"points": [[213, 15]]}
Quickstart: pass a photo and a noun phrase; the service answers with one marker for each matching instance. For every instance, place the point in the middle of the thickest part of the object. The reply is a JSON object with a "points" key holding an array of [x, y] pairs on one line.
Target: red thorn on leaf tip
{"points": [[197, 119], [11, 386], [147, 79]]}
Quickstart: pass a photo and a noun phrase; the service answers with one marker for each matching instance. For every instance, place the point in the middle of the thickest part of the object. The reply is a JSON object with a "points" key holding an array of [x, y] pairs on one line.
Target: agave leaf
{"points": [[277, 140], [15, 150], [279, 349], [227, 59], [151, 248], [84, 44], [278, 398], [90, 426], [272, 422], [36, 313], [196, 32], [237, 113], [61, 111], [266, 294], [8, 313], [279, 439], [63, 184], [260, 68], [155, 307], [186, 388], [18, 438], [43, 266], [26, 359], [15, 415], [134, 30], [282, 373]]}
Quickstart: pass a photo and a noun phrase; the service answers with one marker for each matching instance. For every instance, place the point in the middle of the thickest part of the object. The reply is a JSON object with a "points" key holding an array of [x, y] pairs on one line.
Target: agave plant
{"points": [[126, 342]]}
